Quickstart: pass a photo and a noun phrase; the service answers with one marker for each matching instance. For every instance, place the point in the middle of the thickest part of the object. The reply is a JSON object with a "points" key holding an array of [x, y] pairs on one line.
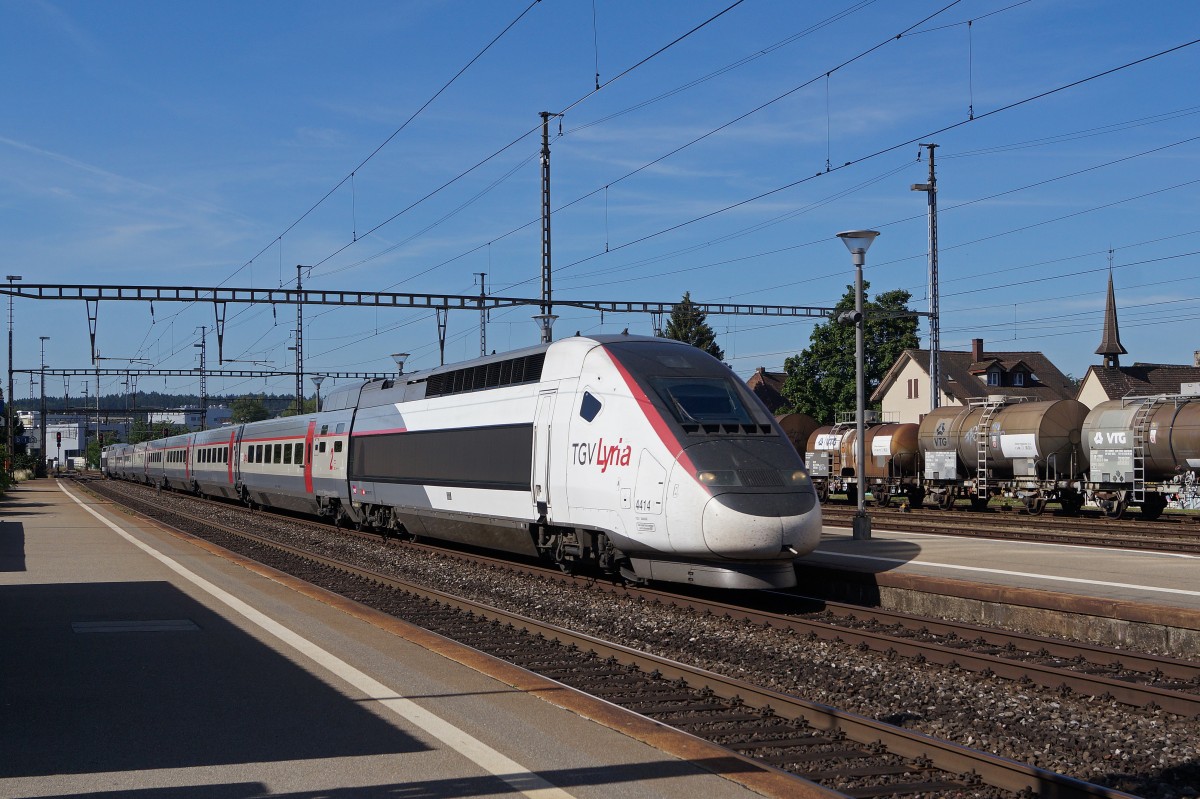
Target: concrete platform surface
{"points": [[1105, 574], [135, 663]]}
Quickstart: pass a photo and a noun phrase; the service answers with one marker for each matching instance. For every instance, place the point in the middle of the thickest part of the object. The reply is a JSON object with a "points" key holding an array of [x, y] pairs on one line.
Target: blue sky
{"points": [[150, 143]]}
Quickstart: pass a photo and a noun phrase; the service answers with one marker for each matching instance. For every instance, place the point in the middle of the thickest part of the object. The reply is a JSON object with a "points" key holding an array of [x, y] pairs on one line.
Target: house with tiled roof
{"points": [[1113, 381], [977, 374], [769, 387]]}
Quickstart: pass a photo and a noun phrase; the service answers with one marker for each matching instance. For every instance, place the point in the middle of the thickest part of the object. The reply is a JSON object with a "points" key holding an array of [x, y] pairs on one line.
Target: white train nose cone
{"points": [[761, 525]]}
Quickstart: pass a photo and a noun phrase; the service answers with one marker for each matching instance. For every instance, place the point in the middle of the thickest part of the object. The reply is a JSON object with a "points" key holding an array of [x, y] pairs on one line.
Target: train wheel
{"points": [[823, 491], [883, 496], [1153, 506], [916, 497], [1035, 506], [1114, 508], [945, 501], [979, 504]]}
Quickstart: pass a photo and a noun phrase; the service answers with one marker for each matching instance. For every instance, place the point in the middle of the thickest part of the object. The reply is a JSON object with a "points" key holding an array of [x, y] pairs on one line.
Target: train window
{"points": [[287, 453], [324, 429], [321, 447], [337, 446], [590, 406], [278, 454], [341, 428], [299, 457], [258, 453], [224, 454], [701, 399]]}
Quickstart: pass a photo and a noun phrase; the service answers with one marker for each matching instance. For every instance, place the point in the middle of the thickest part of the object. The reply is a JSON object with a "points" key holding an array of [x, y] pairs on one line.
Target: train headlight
{"points": [[793, 477], [719, 478]]}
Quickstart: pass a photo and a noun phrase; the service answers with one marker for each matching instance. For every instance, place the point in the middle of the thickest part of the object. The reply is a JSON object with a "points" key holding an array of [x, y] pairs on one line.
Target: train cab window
{"points": [[278, 454], [299, 456], [324, 429], [287, 453], [341, 428], [702, 399], [337, 446], [590, 406]]}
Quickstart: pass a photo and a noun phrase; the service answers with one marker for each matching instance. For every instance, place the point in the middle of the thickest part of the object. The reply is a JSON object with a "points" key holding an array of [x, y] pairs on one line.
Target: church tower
{"points": [[1110, 344]]}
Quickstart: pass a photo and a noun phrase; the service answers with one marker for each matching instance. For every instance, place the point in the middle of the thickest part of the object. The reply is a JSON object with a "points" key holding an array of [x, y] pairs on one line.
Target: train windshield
{"points": [[702, 399]]}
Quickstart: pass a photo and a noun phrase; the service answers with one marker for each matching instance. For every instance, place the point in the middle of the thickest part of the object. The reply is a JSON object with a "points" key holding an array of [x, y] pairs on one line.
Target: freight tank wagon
{"points": [[1145, 452], [891, 469], [1002, 445]]}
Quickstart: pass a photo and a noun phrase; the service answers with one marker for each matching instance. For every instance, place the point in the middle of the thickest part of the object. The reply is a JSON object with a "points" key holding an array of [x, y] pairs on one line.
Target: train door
{"points": [[541, 453]]}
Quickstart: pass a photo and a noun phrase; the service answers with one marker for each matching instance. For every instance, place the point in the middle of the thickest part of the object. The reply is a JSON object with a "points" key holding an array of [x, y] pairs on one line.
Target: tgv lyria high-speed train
{"points": [[628, 453]]}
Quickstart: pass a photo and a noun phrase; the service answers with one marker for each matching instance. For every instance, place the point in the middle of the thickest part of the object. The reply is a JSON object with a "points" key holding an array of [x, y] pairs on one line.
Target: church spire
{"points": [[1110, 345]]}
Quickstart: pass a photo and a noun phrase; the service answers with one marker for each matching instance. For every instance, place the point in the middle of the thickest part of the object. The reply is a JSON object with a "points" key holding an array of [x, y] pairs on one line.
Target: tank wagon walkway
{"points": [[134, 662]]}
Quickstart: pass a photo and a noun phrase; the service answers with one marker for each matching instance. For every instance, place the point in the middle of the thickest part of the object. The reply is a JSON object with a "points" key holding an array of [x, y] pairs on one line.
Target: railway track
{"points": [[846, 754], [1179, 535]]}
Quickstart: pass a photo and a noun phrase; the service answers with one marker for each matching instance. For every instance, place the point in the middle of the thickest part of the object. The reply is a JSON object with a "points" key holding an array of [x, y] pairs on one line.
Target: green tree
{"points": [[248, 409], [141, 431], [94, 448], [821, 381], [309, 406], [687, 324]]}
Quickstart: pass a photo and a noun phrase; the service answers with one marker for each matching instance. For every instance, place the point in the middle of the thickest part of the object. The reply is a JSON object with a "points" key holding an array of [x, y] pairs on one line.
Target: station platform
{"points": [[135, 662], [1113, 596]]}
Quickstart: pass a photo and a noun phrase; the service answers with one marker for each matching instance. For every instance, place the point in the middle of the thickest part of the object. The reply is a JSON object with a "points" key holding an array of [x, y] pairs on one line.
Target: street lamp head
{"points": [[317, 380], [858, 241], [399, 358]]}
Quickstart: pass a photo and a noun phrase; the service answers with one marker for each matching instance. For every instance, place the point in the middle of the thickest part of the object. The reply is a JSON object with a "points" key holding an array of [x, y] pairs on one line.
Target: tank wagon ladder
{"points": [[1141, 421], [982, 431]]}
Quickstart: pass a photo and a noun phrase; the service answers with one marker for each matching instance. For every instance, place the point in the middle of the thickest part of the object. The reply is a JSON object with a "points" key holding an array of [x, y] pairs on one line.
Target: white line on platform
{"points": [[1050, 577], [1052, 544], [512, 773]]}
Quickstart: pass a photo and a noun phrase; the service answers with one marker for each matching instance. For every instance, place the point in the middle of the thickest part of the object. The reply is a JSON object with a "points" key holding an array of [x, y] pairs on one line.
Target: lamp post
{"points": [[11, 418], [41, 467], [858, 242], [317, 380], [399, 358]]}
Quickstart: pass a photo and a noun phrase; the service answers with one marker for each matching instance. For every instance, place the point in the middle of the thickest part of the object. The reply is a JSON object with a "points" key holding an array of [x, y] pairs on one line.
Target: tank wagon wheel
{"points": [[945, 501], [883, 496], [1035, 506], [916, 497], [979, 504], [1114, 508], [1153, 506]]}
